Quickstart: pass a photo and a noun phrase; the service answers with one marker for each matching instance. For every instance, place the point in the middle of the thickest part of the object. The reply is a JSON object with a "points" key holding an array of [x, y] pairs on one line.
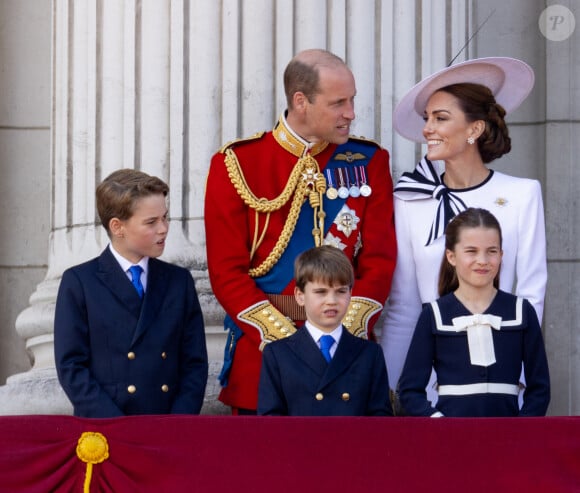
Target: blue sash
{"points": [[282, 273]]}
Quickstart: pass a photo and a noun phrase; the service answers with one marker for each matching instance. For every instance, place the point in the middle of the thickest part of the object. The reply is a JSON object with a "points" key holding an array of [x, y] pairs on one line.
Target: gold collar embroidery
{"points": [[295, 145]]}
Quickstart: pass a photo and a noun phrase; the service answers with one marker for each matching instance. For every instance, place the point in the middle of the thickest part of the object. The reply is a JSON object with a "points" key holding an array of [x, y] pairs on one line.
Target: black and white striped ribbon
{"points": [[424, 182]]}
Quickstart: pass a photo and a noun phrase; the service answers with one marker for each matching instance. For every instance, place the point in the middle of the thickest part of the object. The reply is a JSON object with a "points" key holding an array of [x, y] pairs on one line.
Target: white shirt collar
{"points": [[125, 264], [316, 333]]}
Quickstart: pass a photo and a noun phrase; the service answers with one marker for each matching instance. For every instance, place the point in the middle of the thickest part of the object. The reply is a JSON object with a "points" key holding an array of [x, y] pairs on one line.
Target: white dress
{"points": [[517, 205]]}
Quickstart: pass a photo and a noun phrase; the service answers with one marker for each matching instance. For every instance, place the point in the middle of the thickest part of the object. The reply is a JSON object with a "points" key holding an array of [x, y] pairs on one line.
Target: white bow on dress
{"points": [[479, 337]]}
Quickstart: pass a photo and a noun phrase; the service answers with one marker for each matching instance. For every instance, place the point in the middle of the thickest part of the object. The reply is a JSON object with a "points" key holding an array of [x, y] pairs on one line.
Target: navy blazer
{"points": [[296, 380], [119, 355]]}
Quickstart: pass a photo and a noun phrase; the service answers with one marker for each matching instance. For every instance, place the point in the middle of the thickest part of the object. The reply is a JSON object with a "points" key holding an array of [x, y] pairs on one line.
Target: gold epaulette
{"points": [[231, 143], [360, 310], [271, 323], [364, 139]]}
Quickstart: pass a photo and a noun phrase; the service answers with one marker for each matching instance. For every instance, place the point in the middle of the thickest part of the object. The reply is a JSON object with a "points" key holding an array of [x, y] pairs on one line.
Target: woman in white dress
{"points": [[459, 111]]}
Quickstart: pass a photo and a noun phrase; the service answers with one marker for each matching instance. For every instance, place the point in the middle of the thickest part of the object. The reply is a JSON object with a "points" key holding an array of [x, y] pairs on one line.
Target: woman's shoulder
{"points": [[506, 180], [503, 189]]}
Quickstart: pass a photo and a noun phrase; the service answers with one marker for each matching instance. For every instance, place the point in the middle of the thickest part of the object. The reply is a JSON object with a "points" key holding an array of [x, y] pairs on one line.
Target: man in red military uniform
{"points": [[276, 194]]}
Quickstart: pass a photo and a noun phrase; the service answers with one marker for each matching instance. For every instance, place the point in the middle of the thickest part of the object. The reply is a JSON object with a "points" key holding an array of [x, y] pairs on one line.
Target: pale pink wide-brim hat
{"points": [[510, 80]]}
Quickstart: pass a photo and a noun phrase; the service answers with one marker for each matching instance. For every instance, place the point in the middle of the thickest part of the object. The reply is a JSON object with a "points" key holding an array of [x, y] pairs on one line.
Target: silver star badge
{"points": [[334, 241], [346, 220]]}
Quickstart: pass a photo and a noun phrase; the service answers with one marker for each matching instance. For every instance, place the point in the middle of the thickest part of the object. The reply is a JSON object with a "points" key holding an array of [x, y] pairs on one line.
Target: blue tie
{"points": [[326, 343], [135, 271]]}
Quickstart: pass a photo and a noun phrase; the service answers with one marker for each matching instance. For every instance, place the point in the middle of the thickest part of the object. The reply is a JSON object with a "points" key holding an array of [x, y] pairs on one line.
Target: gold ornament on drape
{"points": [[92, 448]]}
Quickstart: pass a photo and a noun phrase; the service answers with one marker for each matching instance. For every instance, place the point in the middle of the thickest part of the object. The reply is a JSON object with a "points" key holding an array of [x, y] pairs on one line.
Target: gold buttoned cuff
{"points": [[271, 323], [360, 310]]}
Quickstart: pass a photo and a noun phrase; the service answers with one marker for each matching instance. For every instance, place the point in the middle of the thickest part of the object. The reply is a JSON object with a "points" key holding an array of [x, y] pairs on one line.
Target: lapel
{"points": [[116, 281], [347, 350], [157, 288], [306, 349]]}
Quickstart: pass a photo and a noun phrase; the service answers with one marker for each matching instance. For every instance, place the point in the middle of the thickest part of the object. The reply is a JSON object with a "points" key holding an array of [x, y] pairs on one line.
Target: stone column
{"points": [[419, 38], [123, 97], [160, 85], [562, 182]]}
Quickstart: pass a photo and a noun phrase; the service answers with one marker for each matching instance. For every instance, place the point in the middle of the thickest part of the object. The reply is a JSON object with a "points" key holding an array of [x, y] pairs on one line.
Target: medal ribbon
{"points": [[282, 273]]}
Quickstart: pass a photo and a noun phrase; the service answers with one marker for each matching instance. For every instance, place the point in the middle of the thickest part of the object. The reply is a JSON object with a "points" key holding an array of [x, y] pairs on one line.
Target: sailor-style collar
{"points": [[479, 331], [446, 325], [292, 142]]}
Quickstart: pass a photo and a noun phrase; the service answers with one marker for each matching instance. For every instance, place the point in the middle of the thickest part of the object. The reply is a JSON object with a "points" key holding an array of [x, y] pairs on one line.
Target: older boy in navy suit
{"points": [[323, 370], [128, 332]]}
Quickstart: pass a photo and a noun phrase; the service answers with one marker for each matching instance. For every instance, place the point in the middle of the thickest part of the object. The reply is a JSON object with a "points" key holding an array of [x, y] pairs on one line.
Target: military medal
{"points": [[348, 182], [331, 192], [354, 189], [342, 190], [365, 189], [346, 220]]}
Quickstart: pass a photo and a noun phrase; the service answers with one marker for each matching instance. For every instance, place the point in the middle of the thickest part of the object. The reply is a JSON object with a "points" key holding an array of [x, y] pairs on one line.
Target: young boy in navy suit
{"points": [[322, 369], [128, 331]]}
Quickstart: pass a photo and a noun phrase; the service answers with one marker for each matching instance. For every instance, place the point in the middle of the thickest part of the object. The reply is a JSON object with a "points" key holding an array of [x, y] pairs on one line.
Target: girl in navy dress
{"points": [[475, 336]]}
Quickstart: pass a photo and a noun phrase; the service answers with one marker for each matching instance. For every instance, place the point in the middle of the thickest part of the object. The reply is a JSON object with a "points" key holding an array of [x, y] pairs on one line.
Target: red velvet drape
{"points": [[270, 454]]}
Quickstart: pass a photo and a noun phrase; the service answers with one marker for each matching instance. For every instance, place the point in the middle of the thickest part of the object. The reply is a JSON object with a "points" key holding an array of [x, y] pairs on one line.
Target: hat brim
{"points": [[509, 79]]}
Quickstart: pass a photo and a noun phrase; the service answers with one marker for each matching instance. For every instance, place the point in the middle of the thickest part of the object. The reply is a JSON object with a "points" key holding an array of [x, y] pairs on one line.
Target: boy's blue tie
{"points": [[135, 271], [326, 343]]}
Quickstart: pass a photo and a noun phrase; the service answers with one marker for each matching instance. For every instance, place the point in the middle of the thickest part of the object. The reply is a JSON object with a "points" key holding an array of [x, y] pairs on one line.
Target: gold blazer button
{"points": [[319, 396], [131, 389]]}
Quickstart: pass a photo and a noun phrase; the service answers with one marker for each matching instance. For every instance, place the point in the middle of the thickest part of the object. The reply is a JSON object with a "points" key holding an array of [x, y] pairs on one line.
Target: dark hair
{"points": [[117, 194], [303, 73], [478, 103], [325, 264], [469, 218]]}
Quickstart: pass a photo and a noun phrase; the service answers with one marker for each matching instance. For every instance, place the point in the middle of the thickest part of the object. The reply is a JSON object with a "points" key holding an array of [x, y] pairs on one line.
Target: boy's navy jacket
{"points": [[296, 380], [119, 355]]}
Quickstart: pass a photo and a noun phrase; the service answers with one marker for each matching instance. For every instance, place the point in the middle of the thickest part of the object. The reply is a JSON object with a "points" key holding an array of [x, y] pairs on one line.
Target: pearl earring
{"points": [[471, 140]]}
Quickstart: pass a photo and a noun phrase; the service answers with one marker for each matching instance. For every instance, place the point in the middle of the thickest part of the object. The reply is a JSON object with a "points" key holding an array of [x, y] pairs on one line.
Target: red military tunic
{"points": [[250, 254]]}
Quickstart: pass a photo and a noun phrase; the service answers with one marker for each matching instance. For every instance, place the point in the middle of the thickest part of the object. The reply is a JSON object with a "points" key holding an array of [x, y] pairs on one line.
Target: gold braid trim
{"points": [[261, 205], [256, 136], [360, 310], [271, 323], [284, 238], [306, 167]]}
